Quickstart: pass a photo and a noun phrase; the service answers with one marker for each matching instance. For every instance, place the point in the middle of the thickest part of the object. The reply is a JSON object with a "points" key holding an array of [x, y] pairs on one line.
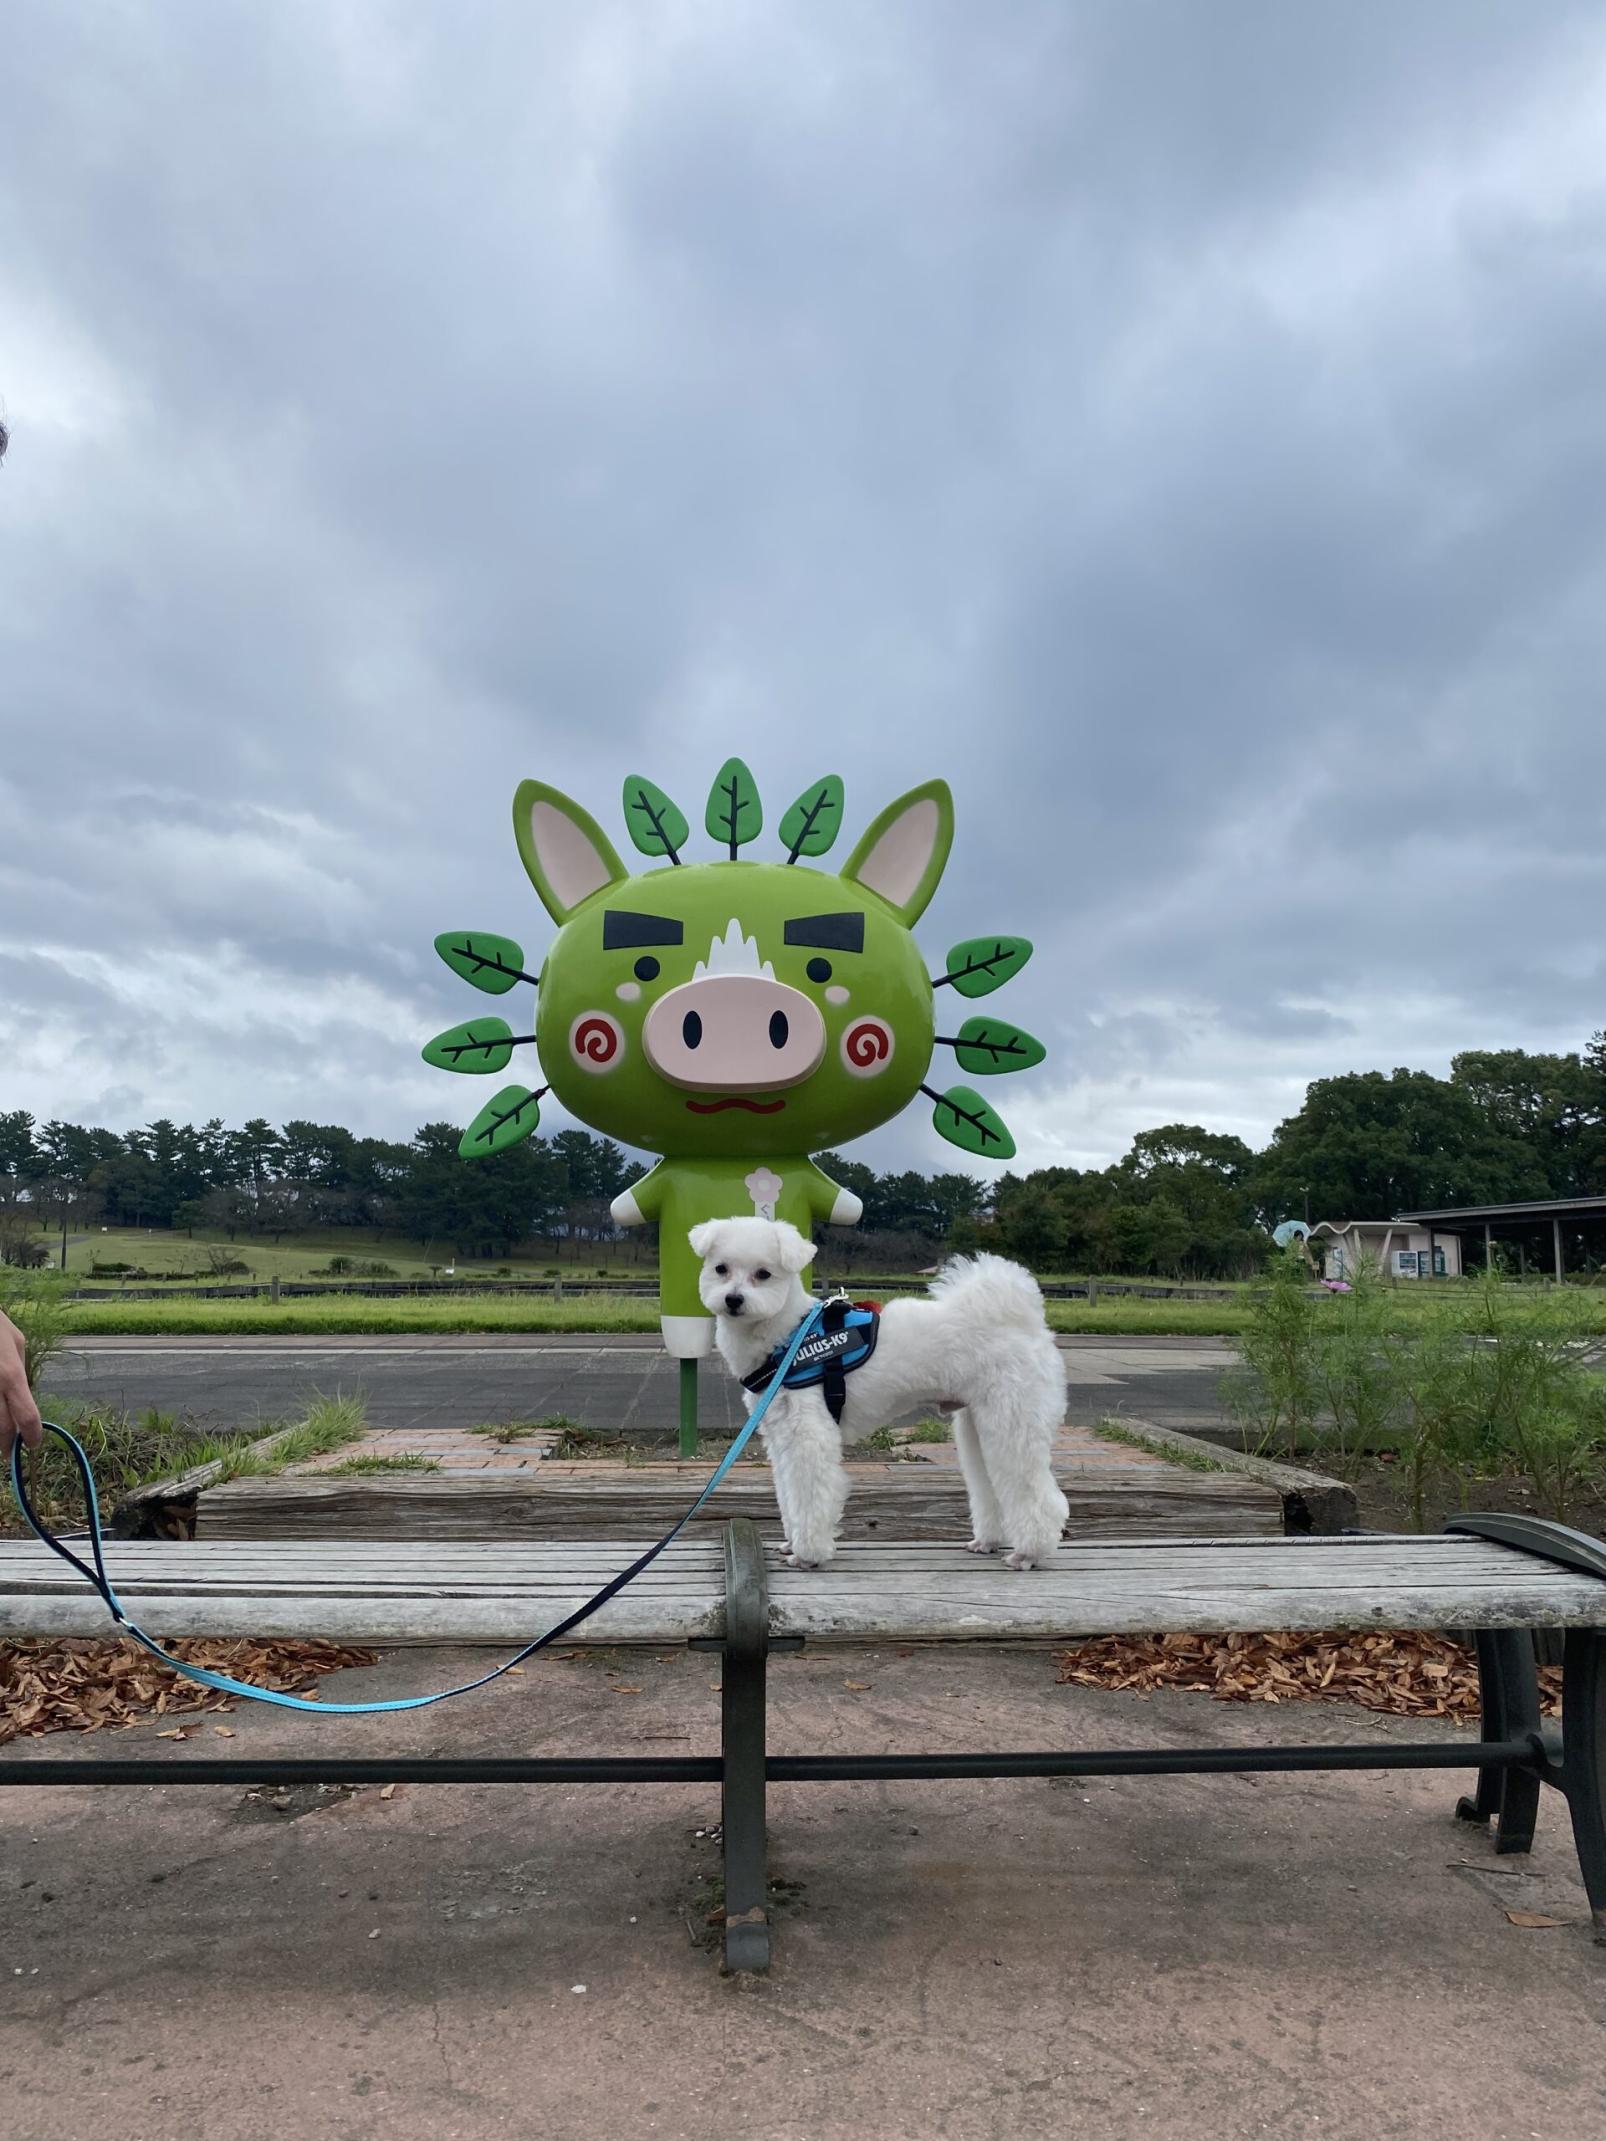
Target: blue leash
{"points": [[98, 1580]]}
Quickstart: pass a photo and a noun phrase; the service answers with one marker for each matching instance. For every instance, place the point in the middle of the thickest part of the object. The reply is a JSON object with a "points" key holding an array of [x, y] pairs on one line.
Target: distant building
{"points": [[1397, 1248]]}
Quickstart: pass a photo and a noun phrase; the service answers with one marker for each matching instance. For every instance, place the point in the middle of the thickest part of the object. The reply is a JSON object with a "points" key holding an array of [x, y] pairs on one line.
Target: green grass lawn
{"points": [[333, 1314], [160, 1253]]}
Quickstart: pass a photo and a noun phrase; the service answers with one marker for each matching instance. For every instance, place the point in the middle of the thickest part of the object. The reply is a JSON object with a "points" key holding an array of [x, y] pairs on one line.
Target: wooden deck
{"points": [[1114, 1491], [588, 1500]]}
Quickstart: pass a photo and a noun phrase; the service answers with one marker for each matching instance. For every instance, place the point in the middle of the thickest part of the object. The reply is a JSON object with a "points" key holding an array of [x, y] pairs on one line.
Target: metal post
{"points": [[688, 1408], [1488, 1245], [741, 1705], [1555, 1229], [1583, 1760], [1509, 1686]]}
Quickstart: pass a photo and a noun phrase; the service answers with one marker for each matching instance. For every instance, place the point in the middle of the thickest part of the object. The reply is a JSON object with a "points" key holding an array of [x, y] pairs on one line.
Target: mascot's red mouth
{"points": [[736, 1100]]}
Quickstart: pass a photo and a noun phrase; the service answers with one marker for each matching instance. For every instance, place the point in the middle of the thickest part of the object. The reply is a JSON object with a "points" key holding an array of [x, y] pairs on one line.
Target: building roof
{"points": [[1494, 1214]]}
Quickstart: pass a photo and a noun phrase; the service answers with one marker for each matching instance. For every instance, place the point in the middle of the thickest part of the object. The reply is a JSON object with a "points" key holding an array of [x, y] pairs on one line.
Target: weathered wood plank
{"points": [[551, 1504], [630, 1618], [507, 1594], [1311, 1502], [1307, 1563]]}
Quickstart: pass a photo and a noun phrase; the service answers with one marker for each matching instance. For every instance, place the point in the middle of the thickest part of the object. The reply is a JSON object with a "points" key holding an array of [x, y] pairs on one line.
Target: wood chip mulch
{"points": [[1408, 1675], [80, 1684]]}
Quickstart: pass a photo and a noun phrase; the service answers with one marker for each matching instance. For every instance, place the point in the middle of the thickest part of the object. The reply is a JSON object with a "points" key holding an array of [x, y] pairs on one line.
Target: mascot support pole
{"points": [[733, 1016], [688, 1408]]}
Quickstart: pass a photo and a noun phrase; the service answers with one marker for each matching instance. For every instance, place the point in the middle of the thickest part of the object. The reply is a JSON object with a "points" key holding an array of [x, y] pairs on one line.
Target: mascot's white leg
{"points": [[811, 1481], [687, 1337], [986, 1524]]}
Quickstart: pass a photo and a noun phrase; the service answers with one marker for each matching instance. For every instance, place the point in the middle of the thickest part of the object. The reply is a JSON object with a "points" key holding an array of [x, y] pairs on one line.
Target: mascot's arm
{"points": [[831, 1205], [642, 1201]]}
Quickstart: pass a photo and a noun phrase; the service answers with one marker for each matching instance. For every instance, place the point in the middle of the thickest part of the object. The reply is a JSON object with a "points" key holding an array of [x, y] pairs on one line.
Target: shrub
{"points": [[36, 1305], [1483, 1380]]}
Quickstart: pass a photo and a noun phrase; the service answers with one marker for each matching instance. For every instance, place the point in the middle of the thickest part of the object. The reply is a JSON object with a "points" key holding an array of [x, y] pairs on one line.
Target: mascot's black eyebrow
{"points": [[623, 931], [830, 932]]}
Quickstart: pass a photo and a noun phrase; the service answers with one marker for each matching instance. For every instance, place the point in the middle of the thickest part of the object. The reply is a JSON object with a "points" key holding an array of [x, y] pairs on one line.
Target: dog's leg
{"points": [[1017, 1441], [811, 1481], [986, 1524]]}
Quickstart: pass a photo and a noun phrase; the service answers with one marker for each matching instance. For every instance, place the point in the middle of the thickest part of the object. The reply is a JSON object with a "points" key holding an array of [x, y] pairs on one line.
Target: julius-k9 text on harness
{"points": [[844, 1341]]}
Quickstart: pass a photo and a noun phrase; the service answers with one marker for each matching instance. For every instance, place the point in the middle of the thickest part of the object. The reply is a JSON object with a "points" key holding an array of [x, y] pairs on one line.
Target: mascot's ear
{"points": [[903, 854], [797, 1250], [565, 851], [703, 1238]]}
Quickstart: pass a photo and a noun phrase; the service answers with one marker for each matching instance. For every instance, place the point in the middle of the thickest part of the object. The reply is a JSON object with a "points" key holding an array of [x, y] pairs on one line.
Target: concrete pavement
{"points": [[1319, 1958], [454, 1381]]}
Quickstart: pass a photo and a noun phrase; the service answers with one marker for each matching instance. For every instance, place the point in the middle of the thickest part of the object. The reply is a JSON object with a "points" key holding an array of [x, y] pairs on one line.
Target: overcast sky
{"points": [[1182, 426]]}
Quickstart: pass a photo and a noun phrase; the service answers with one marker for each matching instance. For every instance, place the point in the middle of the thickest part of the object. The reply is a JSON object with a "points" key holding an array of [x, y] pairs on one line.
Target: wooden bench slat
{"points": [[493, 1592]]}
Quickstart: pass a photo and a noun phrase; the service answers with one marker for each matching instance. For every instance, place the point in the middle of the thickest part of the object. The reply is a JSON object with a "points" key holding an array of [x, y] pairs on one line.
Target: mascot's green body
{"points": [[734, 1016]]}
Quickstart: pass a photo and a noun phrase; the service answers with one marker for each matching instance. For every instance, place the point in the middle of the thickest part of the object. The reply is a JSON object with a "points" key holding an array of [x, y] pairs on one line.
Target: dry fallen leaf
{"points": [[1407, 1673], [1535, 1919], [224, 1732], [387, 1791], [618, 1690], [859, 1687], [85, 1684], [177, 1733]]}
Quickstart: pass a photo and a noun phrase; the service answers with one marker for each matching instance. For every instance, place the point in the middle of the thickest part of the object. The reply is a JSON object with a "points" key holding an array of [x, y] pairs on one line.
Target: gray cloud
{"points": [[1178, 426]]}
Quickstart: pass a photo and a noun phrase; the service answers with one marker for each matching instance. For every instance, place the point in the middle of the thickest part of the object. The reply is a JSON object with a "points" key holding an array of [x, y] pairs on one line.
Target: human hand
{"points": [[19, 1415]]}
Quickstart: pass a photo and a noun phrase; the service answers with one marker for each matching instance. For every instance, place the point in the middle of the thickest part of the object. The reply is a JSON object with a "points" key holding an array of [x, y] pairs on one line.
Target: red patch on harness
{"points": [[874, 1307]]}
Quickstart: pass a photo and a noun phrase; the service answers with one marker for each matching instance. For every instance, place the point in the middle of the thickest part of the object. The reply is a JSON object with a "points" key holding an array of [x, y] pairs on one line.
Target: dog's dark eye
{"points": [[720, 1272], [761, 1276]]}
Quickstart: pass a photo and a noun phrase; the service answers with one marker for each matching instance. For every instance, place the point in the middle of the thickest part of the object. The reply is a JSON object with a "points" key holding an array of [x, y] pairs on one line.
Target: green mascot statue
{"points": [[734, 1016]]}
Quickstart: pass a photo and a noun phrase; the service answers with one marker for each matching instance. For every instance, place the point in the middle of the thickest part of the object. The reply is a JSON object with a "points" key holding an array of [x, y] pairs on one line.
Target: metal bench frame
{"points": [[1515, 1755]]}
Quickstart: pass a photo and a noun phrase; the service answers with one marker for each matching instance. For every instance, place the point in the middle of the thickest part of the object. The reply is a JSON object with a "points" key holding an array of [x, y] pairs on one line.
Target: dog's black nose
{"points": [[733, 1303]]}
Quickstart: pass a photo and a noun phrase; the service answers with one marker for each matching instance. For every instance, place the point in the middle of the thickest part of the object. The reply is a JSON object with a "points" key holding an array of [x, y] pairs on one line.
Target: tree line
{"points": [[264, 1182], [1505, 1126], [1186, 1201]]}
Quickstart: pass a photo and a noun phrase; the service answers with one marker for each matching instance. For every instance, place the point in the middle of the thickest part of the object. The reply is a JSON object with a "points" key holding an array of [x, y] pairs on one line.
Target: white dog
{"points": [[979, 1343]]}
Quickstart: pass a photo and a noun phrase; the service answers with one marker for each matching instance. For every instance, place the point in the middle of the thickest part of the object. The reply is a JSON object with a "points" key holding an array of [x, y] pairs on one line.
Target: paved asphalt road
{"points": [[448, 1381]]}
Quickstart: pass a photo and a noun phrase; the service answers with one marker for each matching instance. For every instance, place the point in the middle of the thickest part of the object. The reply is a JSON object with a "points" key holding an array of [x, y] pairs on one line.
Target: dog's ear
{"points": [[703, 1238], [795, 1250]]}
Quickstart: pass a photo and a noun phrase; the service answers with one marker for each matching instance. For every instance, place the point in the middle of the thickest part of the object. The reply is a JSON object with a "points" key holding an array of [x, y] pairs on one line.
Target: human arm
{"points": [[19, 1415]]}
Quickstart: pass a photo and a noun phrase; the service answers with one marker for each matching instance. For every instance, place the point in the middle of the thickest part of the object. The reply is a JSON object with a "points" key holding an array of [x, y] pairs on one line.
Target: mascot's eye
{"points": [[720, 1272], [761, 1276], [647, 968], [818, 970], [691, 1029], [779, 1029]]}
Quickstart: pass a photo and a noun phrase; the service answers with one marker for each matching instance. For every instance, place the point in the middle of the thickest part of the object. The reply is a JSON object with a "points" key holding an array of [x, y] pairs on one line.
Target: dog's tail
{"points": [[1002, 1292]]}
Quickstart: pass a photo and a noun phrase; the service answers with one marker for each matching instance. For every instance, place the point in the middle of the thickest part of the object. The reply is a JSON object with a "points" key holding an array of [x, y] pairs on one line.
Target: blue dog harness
{"points": [[844, 1341]]}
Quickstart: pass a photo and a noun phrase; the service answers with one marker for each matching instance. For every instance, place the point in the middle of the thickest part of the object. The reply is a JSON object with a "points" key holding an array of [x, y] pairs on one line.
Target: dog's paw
{"points": [[819, 1557], [981, 1546], [1021, 1560]]}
